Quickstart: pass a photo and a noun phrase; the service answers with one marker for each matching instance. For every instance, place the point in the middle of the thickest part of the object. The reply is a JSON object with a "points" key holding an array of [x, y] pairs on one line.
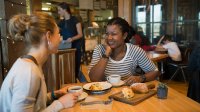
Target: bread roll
{"points": [[128, 93], [139, 87]]}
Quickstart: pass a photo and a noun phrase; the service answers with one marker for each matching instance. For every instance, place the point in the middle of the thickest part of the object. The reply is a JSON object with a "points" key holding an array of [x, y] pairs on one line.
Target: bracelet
{"points": [[105, 56], [53, 97]]}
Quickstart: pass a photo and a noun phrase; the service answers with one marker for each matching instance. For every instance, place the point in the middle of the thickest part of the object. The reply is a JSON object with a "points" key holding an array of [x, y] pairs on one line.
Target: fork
{"points": [[96, 102]]}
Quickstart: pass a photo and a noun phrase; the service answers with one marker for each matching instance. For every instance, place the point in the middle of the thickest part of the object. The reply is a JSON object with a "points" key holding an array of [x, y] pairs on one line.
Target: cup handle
{"points": [[108, 79]]}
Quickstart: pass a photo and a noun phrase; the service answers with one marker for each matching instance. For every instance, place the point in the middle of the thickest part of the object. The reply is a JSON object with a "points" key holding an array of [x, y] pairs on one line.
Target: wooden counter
{"points": [[60, 69]]}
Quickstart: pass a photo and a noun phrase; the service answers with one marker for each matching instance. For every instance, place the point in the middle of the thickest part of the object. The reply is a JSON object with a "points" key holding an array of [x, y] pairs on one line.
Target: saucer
{"points": [[121, 82], [82, 96]]}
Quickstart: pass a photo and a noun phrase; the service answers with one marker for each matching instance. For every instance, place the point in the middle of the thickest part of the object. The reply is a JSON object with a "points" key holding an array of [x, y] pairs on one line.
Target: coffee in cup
{"points": [[114, 79], [74, 89]]}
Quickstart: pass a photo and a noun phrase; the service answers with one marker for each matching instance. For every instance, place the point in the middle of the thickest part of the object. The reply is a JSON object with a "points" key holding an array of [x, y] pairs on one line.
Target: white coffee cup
{"points": [[74, 89], [114, 79]]}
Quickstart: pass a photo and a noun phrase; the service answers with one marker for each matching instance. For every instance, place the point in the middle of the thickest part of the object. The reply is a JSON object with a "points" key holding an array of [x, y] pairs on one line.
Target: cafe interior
{"points": [[151, 19]]}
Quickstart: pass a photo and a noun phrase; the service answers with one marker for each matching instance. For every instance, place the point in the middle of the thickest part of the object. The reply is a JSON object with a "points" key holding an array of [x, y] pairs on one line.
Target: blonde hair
{"points": [[31, 28]]}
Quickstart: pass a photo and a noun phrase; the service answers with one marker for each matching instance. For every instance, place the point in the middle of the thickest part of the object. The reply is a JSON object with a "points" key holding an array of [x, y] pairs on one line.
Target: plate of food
{"points": [[97, 87]]}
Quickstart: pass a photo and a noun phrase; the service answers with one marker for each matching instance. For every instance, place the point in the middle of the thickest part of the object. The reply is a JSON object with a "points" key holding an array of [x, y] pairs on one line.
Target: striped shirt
{"points": [[126, 67]]}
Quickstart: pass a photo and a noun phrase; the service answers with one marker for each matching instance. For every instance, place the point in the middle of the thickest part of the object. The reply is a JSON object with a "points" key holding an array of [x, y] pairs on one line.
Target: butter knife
{"points": [[96, 102]]}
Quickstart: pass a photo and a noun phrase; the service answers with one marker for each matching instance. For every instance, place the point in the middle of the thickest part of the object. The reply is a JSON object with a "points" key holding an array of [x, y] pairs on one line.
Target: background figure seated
{"points": [[171, 47], [146, 45], [138, 38], [135, 39], [172, 66]]}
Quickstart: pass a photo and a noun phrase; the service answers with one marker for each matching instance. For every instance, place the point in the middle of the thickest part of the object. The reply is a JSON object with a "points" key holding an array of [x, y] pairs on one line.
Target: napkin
{"points": [[95, 106]]}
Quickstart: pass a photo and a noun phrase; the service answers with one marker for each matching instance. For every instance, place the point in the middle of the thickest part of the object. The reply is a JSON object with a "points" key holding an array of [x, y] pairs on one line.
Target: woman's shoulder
{"points": [[75, 19], [134, 50], [99, 46], [29, 69], [133, 47], [22, 72]]}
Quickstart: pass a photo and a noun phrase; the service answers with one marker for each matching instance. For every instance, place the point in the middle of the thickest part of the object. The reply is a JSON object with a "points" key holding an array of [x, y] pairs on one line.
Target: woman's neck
{"points": [[119, 53], [40, 55], [67, 16]]}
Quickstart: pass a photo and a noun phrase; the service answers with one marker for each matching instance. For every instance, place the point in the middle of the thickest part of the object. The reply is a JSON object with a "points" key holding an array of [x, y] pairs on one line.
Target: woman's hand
{"points": [[69, 99], [133, 79], [69, 40], [61, 92], [108, 50]]}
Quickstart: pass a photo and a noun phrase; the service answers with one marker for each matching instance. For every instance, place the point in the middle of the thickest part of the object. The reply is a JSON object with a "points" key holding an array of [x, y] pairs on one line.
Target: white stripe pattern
{"points": [[135, 56]]}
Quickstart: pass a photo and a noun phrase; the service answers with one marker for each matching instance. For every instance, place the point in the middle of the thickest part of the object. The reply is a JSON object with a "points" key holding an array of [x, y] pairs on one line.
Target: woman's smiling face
{"points": [[114, 36]]}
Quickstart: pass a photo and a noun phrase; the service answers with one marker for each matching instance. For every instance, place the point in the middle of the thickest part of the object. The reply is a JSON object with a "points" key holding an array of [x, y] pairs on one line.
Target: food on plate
{"points": [[128, 93], [139, 87], [96, 86]]}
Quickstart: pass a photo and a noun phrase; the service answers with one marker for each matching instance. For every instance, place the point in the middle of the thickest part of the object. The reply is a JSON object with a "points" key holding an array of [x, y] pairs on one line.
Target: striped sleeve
{"points": [[144, 62], [96, 56]]}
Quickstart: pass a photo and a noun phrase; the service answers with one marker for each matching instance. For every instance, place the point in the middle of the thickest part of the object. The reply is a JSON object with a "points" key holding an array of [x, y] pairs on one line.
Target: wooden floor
{"points": [[179, 86]]}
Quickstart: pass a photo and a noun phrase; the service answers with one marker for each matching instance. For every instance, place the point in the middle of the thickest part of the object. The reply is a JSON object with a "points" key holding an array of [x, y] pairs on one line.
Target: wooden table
{"points": [[176, 102], [156, 57]]}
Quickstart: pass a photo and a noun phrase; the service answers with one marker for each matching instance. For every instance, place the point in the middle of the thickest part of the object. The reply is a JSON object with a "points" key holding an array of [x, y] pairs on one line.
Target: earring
{"points": [[48, 43]]}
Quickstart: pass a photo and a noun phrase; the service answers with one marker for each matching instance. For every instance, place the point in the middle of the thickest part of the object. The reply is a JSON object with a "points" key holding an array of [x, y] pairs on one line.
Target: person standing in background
{"points": [[71, 32], [24, 88]]}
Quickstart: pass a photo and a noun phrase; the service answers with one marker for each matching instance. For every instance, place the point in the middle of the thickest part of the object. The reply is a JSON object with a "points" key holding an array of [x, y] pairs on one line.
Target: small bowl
{"points": [[74, 89]]}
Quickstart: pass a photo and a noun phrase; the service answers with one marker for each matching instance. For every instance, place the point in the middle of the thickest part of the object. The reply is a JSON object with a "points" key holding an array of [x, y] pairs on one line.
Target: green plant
{"points": [[162, 85]]}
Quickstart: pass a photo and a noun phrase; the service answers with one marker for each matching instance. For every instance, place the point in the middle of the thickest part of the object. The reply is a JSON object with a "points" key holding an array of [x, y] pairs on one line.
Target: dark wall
{"points": [[10, 50]]}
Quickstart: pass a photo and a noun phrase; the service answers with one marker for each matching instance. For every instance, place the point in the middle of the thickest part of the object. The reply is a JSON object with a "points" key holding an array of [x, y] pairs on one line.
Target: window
{"points": [[179, 18]]}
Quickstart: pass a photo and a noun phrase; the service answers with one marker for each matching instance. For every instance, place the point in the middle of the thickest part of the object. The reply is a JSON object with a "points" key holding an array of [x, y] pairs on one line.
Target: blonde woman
{"points": [[24, 88]]}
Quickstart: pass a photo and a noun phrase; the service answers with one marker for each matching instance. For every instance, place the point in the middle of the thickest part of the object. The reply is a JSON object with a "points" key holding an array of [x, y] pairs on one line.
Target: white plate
{"points": [[105, 86], [82, 96], [121, 82]]}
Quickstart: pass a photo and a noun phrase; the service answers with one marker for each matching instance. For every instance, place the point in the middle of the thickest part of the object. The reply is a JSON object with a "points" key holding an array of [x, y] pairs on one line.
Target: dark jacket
{"points": [[194, 70]]}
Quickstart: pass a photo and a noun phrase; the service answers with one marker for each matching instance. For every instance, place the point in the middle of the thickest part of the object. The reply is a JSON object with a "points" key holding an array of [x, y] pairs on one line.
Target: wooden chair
{"points": [[60, 69], [182, 65]]}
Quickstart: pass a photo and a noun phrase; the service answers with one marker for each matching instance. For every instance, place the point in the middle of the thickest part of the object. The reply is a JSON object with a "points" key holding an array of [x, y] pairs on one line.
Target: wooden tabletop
{"points": [[175, 102], [156, 57]]}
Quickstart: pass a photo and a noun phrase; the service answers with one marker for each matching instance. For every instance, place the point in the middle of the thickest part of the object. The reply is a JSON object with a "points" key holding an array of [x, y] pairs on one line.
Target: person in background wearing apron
{"points": [[71, 32]]}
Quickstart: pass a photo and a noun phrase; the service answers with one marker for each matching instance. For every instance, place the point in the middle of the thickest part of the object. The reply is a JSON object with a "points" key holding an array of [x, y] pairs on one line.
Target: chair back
{"points": [[186, 55]]}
